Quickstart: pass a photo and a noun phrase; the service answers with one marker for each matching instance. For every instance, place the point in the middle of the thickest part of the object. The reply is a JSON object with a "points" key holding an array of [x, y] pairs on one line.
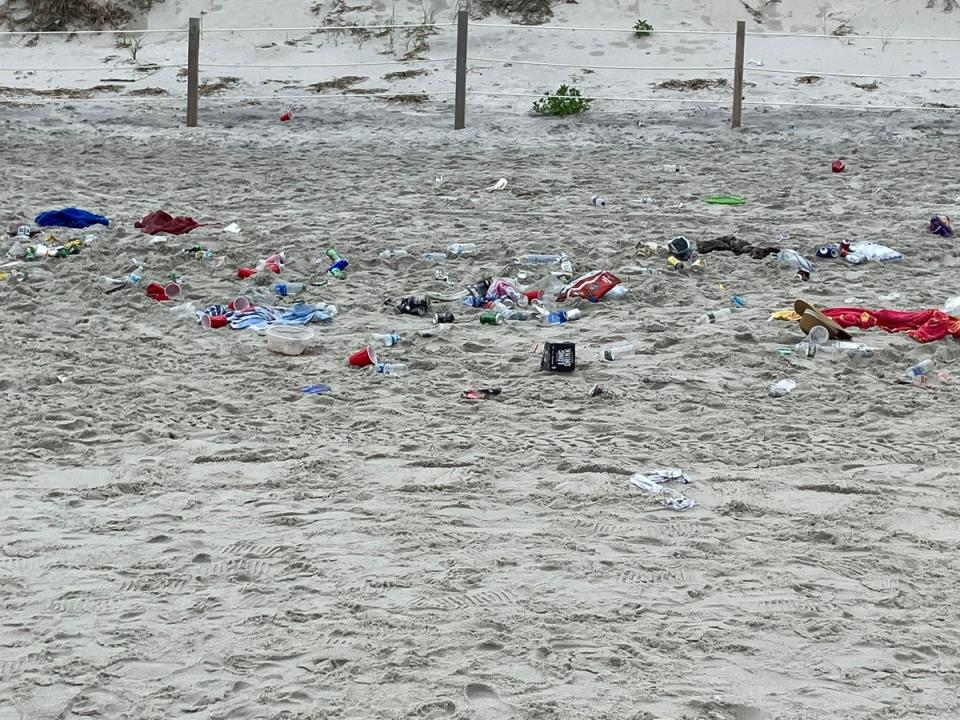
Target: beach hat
{"points": [[811, 317]]}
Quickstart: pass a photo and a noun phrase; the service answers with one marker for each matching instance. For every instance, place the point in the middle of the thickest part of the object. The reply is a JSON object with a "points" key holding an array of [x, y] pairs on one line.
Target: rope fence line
{"points": [[806, 73], [328, 65], [195, 32], [328, 28], [597, 67], [101, 68], [691, 101]]}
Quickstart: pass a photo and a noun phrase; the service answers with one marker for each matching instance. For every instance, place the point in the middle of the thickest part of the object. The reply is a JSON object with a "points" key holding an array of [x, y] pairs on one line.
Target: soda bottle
{"points": [[285, 289], [462, 248], [617, 352], [715, 316], [388, 339], [395, 369]]}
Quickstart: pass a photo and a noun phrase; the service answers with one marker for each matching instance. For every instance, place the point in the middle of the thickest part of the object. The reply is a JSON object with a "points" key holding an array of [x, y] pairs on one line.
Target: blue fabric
{"points": [[262, 316], [70, 218]]}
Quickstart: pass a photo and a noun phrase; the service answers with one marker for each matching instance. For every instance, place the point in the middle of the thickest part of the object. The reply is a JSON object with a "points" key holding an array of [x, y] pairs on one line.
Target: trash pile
{"points": [[535, 289]]}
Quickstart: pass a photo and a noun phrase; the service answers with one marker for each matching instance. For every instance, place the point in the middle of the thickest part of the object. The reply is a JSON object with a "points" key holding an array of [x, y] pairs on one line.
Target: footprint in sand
{"points": [[486, 701]]}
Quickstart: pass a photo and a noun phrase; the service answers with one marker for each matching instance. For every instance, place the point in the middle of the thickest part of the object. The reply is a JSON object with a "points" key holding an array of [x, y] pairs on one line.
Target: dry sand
{"points": [[185, 534]]}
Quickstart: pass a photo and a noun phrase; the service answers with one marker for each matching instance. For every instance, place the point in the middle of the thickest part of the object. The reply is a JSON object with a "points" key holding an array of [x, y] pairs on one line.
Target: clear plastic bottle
{"points": [[462, 248], [536, 259], [395, 369], [434, 256], [918, 373], [599, 200], [715, 316], [798, 262], [618, 351], [289, 289], [110, 285], [616, 292], [671, 168], [391, 253], [388, 339], [644, 200]]}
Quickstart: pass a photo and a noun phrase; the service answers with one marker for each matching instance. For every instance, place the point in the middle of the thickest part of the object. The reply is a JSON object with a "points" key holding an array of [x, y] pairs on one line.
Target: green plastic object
{"points": [[725, 200]]}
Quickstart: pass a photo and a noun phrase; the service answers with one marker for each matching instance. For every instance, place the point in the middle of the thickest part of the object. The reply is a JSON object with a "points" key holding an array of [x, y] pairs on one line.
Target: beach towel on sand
{"points": [[922, 325], [70, 218], [163, 222]]}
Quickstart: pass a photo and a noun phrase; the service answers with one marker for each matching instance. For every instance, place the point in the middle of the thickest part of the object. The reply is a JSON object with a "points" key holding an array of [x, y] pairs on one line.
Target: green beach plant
{"points": [[567, 100]]}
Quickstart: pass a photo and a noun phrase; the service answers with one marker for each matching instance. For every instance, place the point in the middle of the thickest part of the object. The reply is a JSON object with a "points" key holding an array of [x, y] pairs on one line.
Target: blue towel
{"points": [[70, 218]]}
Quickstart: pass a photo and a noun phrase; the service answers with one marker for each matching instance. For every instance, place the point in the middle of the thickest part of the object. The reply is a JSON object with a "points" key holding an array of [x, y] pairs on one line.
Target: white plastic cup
{"points": [[818, 335]]}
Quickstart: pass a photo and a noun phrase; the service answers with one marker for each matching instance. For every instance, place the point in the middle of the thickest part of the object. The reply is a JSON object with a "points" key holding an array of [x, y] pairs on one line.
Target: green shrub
{"points": [[642, 28], [565, 101]]}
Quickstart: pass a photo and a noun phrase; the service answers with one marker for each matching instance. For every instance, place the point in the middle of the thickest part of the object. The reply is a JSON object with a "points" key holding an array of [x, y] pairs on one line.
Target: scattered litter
{"points": [[477, 394], [941, 225], [837, 166], [782, 387], [500, 184], [725, 200], [653, 483], [318, 389], [599, 200], [232, 228], [596, 391]]}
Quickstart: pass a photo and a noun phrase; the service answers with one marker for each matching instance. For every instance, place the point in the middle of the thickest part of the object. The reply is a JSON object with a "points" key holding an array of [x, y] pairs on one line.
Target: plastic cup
{"points": [[172, 290], [245, 272], [240, 304], [157, 292], [363, 357], [818, 335], [212, 322]]}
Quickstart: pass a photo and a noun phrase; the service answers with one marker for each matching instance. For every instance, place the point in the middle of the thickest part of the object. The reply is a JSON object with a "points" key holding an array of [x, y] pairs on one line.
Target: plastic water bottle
{"points": [[616, 292], [618, 351], [918, 373], [671, 168], [285, 289], [797, 261], [541, 259], [111, 285], [462, 248], [644, 200], [715, 316], [599, 200], [395, 369], [561, 316], [388, 339], [434, 256]]}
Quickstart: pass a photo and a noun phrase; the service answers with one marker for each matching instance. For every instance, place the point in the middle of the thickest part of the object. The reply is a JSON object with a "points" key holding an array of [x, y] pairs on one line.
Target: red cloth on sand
{"points": [[922, 325], [163, 222]]}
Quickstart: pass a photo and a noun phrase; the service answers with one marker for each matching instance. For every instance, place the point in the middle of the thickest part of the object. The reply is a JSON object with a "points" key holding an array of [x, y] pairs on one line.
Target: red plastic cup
{"points": [[273, 266], [172, 290], [837, 166], [245, 272], [363, 357], [534, 294], [157, 292], [212, 322], [240, 304], [286, 117]]}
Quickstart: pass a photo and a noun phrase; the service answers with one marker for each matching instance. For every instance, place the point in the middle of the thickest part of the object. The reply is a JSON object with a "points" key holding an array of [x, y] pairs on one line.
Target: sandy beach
{"points": [[186, 533]]}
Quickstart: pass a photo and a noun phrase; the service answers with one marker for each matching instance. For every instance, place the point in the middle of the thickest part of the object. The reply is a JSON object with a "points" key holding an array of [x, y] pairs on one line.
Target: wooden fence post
{"points": [[460, 109], [738, 75], [193, 72]]}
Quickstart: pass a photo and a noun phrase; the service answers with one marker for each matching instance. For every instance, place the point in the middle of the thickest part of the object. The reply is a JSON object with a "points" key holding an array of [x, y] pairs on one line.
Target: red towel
{"points": [[162, 222], [922, 325]]}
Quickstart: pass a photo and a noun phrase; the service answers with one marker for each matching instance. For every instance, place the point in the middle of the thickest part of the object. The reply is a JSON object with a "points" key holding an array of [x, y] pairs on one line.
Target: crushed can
{"points": [[443, 318], [479, 289], [559, 357]]}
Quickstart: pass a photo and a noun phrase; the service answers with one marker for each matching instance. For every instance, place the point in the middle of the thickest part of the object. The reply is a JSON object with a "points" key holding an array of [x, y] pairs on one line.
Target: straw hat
{"points": [[811, 316]]}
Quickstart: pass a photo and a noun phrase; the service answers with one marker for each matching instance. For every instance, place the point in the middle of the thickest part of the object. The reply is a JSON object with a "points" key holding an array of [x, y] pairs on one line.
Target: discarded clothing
{"points": [[941, 225], [729, 243], [922, 325], [70, 218], [162, 222], [861, 252], [653, 483], [260, 317]]}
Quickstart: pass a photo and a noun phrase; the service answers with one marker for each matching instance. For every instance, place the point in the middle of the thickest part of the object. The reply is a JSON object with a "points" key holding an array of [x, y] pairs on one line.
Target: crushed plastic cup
{"points": [[212, 322], [286, 117], [837, 166], [782, 387], [245, 272], [364, 357], [241, 303]]}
